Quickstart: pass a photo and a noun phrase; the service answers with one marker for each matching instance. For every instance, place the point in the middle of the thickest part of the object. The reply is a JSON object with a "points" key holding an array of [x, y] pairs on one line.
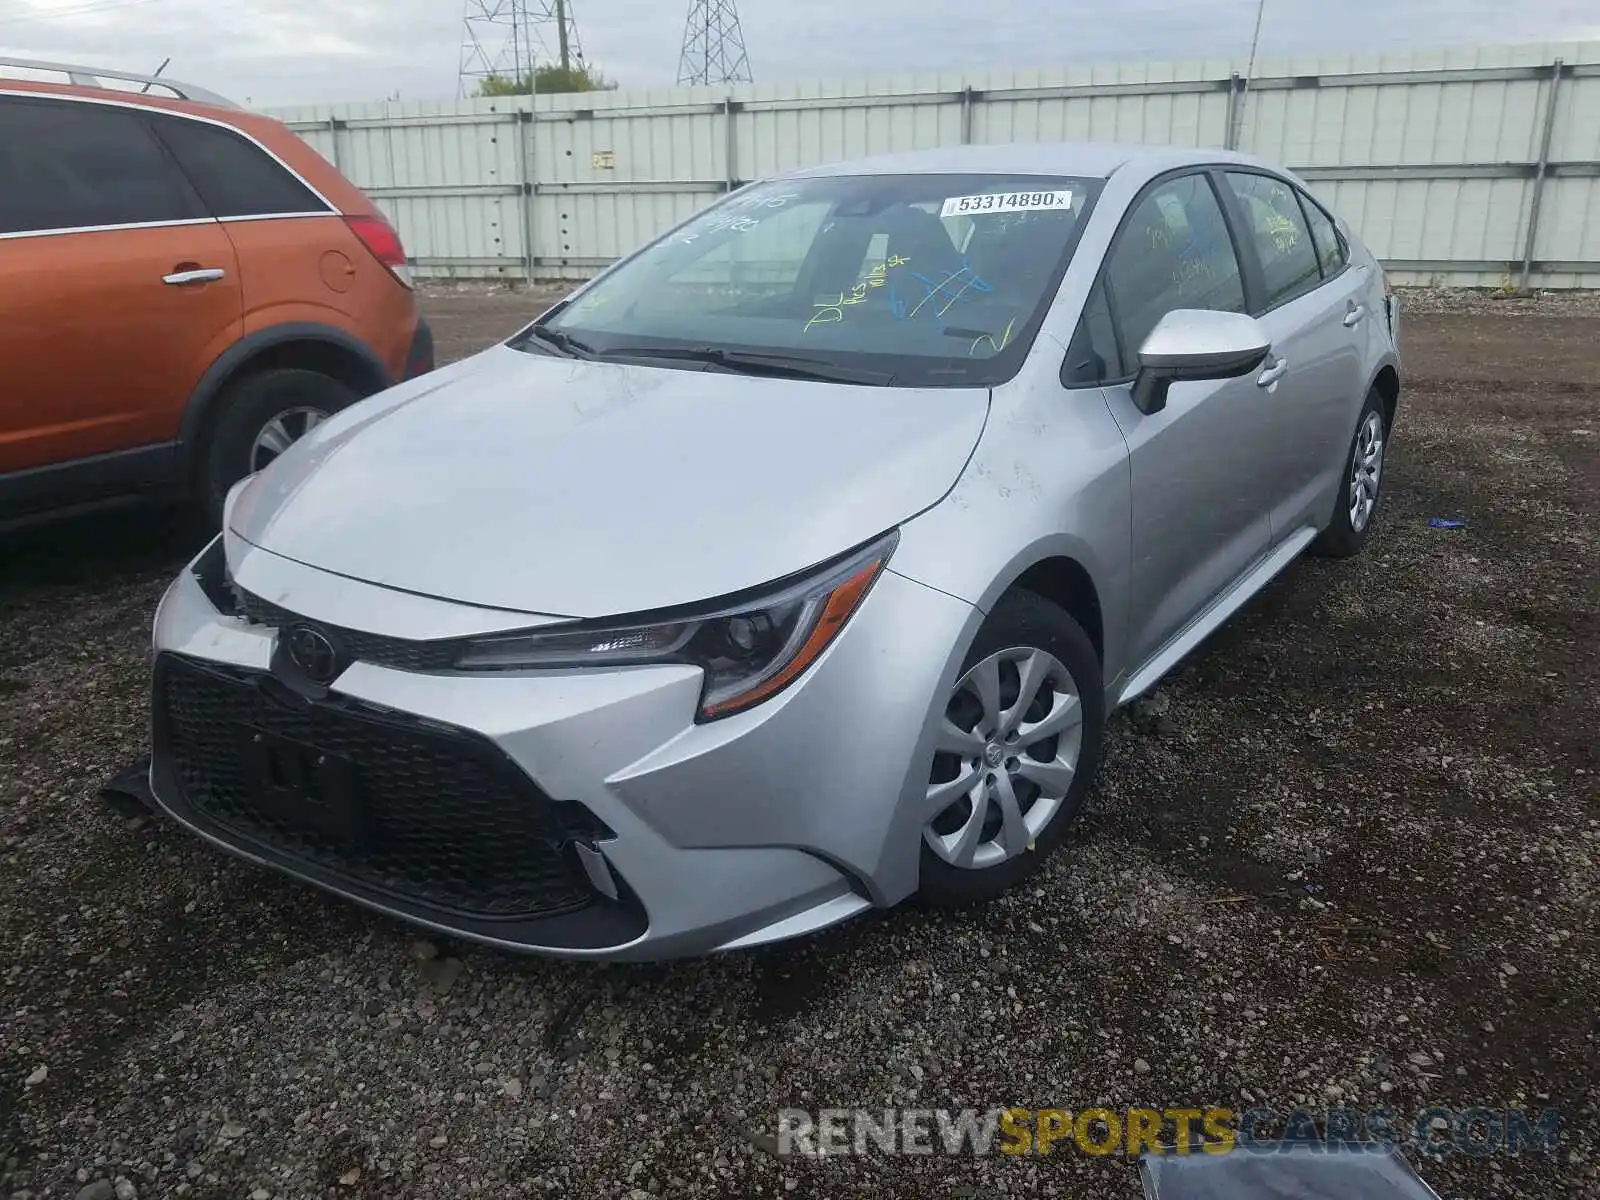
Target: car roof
{"points": [[213, 108], [1091, 160], [99, 79]]}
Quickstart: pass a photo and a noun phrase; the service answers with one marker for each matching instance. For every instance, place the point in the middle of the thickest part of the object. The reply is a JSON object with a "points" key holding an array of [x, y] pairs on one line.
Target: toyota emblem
{"points": [[312, 651]]}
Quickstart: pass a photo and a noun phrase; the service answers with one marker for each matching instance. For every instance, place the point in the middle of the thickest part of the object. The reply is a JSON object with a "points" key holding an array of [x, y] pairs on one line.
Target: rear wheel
{"points": [[1362, 484], [259, 418], [1018, 745]]}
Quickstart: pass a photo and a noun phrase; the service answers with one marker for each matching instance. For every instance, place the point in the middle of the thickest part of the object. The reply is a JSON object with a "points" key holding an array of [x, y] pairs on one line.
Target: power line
{"points": [[713, 45], [81, 10], [1249, 70]]}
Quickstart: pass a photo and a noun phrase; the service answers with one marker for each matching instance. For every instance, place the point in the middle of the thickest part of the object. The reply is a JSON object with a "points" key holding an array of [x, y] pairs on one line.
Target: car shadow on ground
{"points": [[112, 545]]}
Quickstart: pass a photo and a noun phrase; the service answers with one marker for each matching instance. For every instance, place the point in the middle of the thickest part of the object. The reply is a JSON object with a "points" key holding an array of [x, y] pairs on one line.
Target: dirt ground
{"points": [[1347, 856], [465, 319]]}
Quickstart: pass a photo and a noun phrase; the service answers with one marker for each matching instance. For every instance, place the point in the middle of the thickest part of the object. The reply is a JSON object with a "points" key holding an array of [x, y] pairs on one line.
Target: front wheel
{"points": [[1362, 484], [1018, 744]]}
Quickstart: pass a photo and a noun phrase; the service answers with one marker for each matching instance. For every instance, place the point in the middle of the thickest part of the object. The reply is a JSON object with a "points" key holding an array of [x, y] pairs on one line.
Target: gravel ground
{"points": [[1492, 302], [1347, 855]]}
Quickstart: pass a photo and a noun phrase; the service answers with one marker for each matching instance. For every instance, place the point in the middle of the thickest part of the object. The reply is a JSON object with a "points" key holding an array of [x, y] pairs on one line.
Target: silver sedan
{"points": [[790, 567]]}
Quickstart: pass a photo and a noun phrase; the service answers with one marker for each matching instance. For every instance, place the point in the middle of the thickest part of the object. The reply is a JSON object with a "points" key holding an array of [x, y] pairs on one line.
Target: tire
{"points": [[1347, 531], [1022, 623], [245, 409]]}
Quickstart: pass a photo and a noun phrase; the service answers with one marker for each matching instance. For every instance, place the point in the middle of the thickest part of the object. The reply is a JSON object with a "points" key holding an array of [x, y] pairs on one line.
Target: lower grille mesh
{"points": [[448, 819]]}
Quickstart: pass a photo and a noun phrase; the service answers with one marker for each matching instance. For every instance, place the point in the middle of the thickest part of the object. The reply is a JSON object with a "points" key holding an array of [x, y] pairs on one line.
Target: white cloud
{"points": [[305, 51]]}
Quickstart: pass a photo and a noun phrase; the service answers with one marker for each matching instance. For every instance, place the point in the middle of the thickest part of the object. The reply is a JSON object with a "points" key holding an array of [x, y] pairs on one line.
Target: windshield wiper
{"points": [[751, 362], [564, 342]]}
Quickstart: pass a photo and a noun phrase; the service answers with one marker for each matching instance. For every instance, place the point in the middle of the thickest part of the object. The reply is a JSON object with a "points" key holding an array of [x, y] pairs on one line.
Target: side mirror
{"points": [[1196, 343]]}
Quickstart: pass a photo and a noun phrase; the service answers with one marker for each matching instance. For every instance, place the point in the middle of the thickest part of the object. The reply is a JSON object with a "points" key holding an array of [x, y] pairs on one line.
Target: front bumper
{"points": [[689, 837]]}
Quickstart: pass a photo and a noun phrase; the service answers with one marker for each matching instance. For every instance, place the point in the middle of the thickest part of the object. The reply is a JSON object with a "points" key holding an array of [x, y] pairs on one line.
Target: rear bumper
{"points": [[420, 357]]}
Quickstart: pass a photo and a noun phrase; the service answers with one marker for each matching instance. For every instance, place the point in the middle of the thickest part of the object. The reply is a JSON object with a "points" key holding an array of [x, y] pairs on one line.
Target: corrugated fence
{"points": [[1477, 166]]}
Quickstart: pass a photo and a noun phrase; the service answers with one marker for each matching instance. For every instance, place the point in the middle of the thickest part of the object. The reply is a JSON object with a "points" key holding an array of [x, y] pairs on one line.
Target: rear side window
{"points": [[233, 175], [70, 165], [1174, 252], [1330, 246], [1278, 228]]}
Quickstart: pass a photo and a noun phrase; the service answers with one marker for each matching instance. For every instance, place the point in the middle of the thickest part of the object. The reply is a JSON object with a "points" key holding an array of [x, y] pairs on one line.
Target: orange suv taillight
{"points": [[378, 236]]}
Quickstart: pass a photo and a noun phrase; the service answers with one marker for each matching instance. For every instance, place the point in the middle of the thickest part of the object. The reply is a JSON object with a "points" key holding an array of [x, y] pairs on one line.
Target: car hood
{"points": [[581, 489]]}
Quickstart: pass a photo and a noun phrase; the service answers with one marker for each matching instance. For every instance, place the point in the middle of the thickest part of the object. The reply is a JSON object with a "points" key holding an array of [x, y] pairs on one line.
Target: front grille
{"points": [[448, 820], [211, 571], [399, 653]]}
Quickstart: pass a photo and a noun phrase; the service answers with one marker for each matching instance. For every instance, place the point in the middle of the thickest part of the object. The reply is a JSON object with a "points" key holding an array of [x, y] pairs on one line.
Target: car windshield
{"points": [[910, 280]]}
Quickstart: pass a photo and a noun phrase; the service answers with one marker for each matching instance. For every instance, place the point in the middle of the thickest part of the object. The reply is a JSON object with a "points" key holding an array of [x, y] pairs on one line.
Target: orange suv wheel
{"points": [[259, 418]]}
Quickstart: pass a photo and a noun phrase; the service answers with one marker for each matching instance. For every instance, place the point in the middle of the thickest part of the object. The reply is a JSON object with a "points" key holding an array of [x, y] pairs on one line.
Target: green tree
{"points": [[580, 77]]}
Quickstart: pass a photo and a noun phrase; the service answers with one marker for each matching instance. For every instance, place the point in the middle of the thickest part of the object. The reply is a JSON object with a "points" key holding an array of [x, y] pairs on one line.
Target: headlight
{"points": [[749, 651]]}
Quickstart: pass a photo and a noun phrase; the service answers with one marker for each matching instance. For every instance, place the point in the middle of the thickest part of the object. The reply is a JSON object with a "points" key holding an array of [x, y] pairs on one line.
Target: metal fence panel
{"points": [[1471, 166]]}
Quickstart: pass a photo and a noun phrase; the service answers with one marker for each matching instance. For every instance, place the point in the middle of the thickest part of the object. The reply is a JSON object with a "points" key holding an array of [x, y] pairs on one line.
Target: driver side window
{"points": [[1173, 252]]}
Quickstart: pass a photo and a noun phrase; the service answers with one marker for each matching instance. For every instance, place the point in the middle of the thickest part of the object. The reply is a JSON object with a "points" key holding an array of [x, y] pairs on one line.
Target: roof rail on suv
{"points": [[95, 77]]}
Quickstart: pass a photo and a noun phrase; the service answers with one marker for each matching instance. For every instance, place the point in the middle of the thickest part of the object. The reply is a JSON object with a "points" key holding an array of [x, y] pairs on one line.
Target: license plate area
{"points": [[299, 787]]}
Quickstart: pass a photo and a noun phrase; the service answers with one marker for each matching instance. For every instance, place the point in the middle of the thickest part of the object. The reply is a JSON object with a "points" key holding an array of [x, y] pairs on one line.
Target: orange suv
{"points": [[185, 288]]}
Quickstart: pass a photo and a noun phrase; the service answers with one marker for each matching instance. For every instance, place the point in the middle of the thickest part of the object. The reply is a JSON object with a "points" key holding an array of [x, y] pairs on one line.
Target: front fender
{"points": [[1049, 479]]}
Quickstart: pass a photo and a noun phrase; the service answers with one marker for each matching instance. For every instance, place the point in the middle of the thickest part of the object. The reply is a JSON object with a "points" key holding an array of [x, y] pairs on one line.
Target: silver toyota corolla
{"points": [[790, 567]]}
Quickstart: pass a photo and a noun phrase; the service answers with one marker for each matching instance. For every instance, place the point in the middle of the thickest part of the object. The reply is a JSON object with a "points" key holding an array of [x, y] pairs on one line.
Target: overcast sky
{"points": [[274, 52]]}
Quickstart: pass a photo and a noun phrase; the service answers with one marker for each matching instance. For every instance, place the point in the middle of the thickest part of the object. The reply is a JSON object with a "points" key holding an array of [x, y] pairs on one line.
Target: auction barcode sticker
{"points": [[1004, 202]]}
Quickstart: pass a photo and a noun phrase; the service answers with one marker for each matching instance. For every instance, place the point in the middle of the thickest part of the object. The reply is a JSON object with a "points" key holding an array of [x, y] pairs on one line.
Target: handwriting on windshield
{"points": [[734, 223], [762, 201], [1005, 339], [938, 295], [951, 288], [879, 275], [732, 215], [831, 312]]}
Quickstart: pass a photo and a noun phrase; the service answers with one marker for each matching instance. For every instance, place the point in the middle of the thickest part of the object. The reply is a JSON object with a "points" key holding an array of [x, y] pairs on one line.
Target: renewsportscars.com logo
{"points": [[1437, 1131]]}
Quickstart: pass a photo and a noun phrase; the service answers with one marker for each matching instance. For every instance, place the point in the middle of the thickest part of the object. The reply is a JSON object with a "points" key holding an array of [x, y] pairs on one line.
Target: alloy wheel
{"points": [[1005, 758], [278, 434], [1366, 471]]}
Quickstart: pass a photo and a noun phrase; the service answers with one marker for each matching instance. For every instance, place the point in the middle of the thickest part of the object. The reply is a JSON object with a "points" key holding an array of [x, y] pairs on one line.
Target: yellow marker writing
{"points": [[1005, 340]]}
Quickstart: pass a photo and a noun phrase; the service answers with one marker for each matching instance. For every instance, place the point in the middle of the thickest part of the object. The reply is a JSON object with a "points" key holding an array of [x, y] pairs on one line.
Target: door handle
{"points": [[1354, 314], [1273, 373], [198, 275]]}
